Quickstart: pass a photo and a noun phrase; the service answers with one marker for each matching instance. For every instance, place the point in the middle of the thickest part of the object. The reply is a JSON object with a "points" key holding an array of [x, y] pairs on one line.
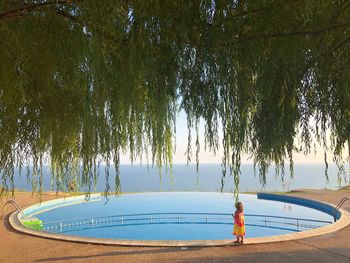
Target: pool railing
{"points": [[280, 222]]}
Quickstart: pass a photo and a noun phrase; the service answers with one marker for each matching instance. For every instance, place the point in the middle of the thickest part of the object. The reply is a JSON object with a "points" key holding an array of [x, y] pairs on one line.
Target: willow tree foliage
{"points": [[83, 81]]}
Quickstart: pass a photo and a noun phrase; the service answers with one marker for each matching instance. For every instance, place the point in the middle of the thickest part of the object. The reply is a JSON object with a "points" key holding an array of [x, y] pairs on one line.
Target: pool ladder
{"points": [[336, 209], [15, 204]]}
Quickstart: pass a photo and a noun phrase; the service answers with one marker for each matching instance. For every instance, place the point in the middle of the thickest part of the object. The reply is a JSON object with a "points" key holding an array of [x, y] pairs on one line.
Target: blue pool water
{"points": [[166, 217]]}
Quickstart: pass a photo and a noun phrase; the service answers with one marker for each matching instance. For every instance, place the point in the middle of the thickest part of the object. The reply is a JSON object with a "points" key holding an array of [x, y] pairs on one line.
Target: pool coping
{"points": [[343, 221]]}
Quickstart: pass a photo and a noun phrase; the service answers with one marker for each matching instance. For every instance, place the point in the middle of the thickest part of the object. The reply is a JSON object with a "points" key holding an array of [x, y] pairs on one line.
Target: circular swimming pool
{"points": [[171, 216]]}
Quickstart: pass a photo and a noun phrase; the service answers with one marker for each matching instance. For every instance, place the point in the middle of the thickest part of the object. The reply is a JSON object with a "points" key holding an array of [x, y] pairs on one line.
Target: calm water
{"points": [[181, 202], [135, 178]]}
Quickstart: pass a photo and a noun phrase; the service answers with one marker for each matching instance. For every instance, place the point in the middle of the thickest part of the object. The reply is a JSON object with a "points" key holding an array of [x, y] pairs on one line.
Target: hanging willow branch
{"points": [[82, 82]]}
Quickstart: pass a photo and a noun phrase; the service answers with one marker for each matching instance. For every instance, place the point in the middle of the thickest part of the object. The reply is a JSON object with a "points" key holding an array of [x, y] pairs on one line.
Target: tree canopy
{"points": [[84, 81]]}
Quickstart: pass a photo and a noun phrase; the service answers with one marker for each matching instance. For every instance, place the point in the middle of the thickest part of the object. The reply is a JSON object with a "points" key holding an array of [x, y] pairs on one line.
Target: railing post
{"points": [[298, 227], [150, 219], [92, 223], [14, 203], [206, 218], [265, 221], [178, 218], [336, 209], [61, 226], [122, 220]]}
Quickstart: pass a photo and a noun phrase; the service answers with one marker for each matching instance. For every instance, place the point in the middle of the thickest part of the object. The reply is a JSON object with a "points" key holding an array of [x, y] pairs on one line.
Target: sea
{"points": [[143, 178]]}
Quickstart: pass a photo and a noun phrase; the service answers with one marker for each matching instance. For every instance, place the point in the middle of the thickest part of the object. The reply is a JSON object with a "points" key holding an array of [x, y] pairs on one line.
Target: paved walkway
{"points": [[335, 247]]}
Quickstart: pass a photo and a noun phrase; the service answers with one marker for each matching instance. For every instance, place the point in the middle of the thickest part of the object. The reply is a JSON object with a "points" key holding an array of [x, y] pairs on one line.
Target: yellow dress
{"points": [[239, 226]]}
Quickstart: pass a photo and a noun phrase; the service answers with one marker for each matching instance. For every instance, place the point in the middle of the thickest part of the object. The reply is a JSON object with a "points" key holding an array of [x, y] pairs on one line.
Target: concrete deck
{"points": [[333, 247]]}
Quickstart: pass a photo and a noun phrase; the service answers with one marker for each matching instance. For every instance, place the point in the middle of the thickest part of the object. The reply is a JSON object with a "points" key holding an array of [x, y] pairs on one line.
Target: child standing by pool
{"points": [[239, 227]]}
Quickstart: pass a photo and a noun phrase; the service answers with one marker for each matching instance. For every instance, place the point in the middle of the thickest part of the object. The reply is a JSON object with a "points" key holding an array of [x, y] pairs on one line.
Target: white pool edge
{"points": [[16, 224]]}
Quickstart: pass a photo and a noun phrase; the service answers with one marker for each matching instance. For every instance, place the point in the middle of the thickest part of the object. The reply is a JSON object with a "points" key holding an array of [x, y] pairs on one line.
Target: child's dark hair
{"points": [[239, 205]]}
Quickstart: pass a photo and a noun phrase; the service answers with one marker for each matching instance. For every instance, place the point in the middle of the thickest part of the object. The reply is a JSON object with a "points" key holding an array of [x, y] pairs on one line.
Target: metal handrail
{"points": [[152, 218], [15, 204], [336, 209], [187, 213]]}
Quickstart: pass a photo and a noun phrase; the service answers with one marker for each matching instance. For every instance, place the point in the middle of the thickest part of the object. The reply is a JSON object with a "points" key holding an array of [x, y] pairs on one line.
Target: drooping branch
{"points": [[315, 32], [28, 8], [106, 77]]}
